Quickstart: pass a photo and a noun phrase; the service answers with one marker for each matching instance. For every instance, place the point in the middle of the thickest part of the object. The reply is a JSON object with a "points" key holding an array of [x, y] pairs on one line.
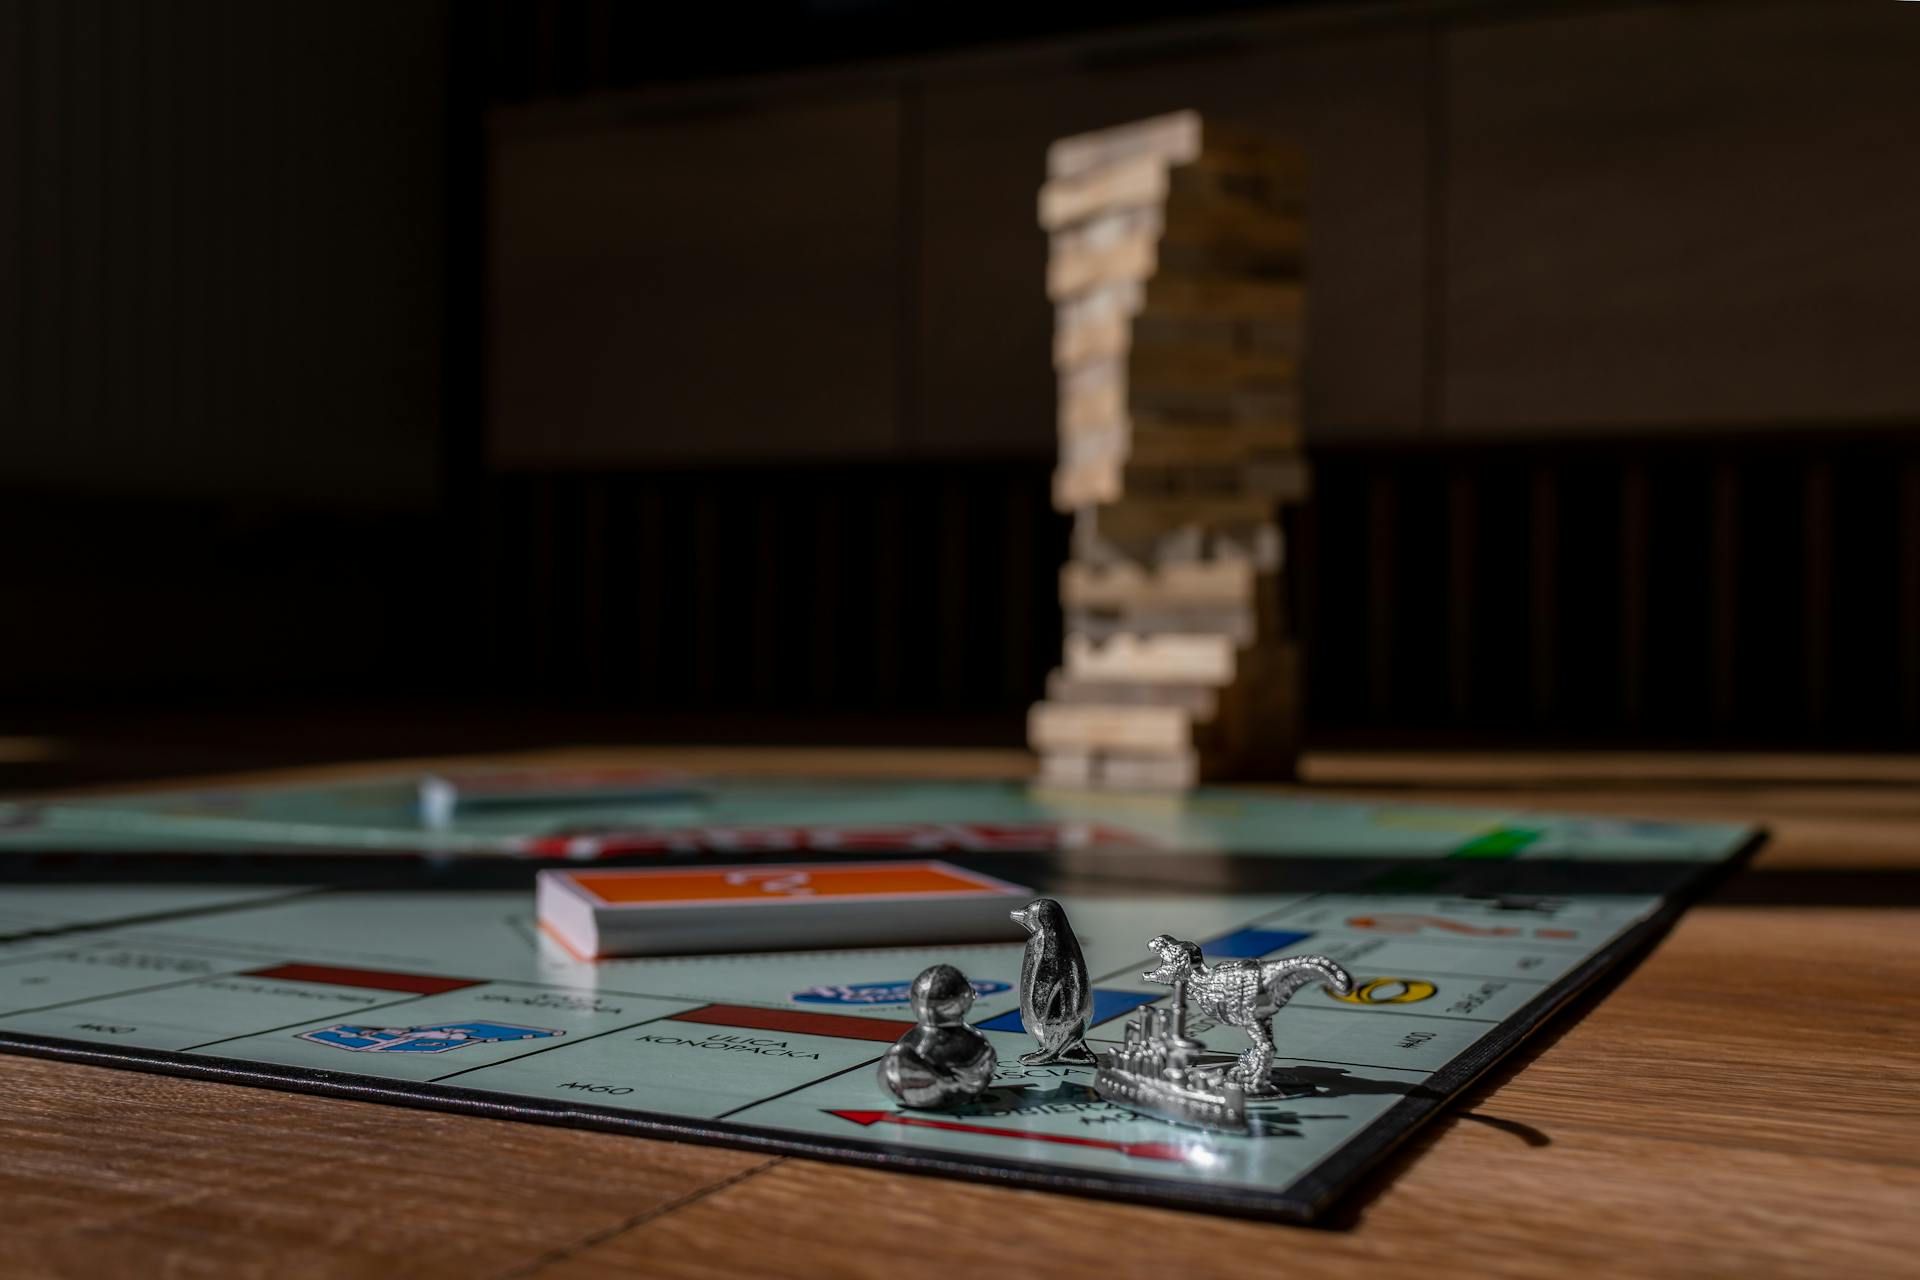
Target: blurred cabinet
{"points": [[714, 286], [1683, 216]]}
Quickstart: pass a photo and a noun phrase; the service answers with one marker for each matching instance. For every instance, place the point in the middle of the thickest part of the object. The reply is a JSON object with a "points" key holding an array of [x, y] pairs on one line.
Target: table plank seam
{"points": [[597, 1238]]}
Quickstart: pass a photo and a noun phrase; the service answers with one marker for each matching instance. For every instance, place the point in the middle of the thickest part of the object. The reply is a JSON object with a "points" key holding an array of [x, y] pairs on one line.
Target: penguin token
{"points": [[1056, 999]]}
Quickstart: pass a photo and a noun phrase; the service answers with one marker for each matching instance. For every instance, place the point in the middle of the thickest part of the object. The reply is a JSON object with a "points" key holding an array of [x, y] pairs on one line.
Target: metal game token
{"points": [[942, 1062]]}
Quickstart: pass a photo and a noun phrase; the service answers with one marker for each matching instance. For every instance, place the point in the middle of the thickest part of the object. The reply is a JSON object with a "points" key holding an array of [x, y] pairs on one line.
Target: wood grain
{"points": [[1747, 1101], [116, 1173]]}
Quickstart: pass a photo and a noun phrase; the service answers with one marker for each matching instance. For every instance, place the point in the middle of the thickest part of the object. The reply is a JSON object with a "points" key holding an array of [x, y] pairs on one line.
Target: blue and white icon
{"points": [[438, 1038]]}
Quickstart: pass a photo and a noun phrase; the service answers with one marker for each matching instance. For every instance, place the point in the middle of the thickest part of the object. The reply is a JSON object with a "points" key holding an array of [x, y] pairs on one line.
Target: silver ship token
{"points": [[1154, 1072]]}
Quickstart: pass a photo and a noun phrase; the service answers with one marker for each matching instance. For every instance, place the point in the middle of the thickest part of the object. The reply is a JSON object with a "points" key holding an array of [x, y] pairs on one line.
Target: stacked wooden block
{"points": [[1175, 273]]}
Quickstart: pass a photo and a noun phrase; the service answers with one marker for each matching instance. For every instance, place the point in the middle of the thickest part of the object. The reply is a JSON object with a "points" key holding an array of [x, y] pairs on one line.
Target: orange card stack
{"points": [[771, 907]]}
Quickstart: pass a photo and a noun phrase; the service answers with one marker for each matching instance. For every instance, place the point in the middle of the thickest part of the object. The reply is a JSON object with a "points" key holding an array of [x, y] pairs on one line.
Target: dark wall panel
{"points": [[888, 589], [222, 238], [712, 286], [127, 597], [1735, 592], [1683, 215], [221, 229], [1358, 105]]}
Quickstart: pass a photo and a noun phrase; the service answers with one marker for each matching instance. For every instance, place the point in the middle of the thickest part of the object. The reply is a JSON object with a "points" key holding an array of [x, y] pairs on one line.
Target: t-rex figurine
{"points": [[1244, 994]]}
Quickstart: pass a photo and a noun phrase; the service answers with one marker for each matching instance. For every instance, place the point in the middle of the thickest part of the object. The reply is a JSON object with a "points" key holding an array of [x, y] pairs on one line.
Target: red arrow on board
{"points": [[1138, 1150]]}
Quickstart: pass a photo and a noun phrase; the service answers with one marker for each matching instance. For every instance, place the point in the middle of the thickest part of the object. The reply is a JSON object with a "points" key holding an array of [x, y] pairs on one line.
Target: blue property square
{"points": [[1107, 1005], [1245, 944]]}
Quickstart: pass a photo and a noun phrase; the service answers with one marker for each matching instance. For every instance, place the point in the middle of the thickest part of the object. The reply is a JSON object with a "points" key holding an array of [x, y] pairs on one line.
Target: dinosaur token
{"points": [[1244, 994]]}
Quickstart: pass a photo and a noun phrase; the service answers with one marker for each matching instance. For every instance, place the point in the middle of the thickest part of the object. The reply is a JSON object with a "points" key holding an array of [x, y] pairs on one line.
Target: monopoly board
{"points": [[1464, 931]]}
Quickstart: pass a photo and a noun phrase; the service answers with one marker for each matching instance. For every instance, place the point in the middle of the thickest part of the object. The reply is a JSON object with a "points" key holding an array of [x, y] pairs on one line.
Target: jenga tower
{"points": [[1179, 314]]}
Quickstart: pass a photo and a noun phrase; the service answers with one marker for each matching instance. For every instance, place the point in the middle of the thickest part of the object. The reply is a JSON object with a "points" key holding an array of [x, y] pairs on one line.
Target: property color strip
{"points": [[838, 1025], [1108, 1004], [419, 984], [1502, 842], [1249, 944]]}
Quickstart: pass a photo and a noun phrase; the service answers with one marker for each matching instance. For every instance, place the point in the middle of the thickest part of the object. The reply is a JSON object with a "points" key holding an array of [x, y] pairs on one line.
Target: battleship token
{"points": [[1156, 1071]]}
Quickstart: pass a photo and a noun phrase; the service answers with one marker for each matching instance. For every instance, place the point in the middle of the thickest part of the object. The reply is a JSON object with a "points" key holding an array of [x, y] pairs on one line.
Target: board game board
{"points": [[1464, 930]]}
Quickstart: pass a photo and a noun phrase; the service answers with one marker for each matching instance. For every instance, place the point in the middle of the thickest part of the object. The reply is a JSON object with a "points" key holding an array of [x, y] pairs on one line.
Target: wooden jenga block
{"points": [[1142, 521], [1200, 657], [1131, 184], [1119, 770], [1096, 324], [1093, 397], [1223, 584], [1172, 139], [1067, 768], [1238, 625], [1128, 773], [1146, 730], [1114, 249], [1095, 543], [1197, 698]]}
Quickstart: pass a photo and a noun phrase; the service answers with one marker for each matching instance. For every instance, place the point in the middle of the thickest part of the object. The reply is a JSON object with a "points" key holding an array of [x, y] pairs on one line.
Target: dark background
{"points": [[392, 377]]}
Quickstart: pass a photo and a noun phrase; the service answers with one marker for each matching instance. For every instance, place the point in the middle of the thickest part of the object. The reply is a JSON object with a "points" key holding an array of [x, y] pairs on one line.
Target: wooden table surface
{"points": [[1745, 1102]]}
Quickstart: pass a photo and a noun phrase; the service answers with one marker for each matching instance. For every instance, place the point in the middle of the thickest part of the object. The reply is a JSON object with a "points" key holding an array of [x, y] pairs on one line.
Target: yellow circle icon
{"points": [[1389, 991]]}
